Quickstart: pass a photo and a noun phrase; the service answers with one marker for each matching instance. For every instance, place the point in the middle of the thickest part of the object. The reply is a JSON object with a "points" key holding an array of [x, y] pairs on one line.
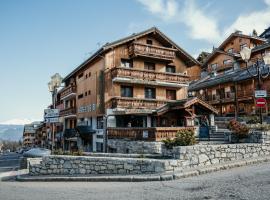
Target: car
{"points": [[37, 152]]}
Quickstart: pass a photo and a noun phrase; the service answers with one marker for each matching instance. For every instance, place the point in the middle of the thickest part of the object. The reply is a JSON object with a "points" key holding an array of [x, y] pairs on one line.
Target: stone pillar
{"points": [[212, 119]]}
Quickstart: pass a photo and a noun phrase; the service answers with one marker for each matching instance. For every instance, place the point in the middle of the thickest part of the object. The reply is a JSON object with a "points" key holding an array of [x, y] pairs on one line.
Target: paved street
{"points": [[9, 161], [251, 182]]}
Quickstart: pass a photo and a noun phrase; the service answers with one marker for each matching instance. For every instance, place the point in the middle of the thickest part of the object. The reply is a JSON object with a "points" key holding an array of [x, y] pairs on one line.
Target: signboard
{"points": [[51, 113], [260, 102], [52, 120], [145, 134], [260, 93]]}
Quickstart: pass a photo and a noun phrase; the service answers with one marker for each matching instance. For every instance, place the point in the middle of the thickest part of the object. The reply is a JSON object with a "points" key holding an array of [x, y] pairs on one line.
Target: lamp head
{"points": [[266, 59], [245, 53]]}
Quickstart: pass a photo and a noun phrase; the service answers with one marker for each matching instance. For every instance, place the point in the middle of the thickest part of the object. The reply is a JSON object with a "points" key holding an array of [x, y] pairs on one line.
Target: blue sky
{"points": [[39, 38]]}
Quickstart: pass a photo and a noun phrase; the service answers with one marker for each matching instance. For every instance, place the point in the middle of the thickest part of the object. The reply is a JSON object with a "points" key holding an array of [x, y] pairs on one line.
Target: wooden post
{"points": [[236, 100]]}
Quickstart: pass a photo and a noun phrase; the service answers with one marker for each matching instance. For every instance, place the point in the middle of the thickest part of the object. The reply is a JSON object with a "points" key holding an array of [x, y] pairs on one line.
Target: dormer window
{"points": [[214, 66], [149, 42], [226, 62], [230, 50]]}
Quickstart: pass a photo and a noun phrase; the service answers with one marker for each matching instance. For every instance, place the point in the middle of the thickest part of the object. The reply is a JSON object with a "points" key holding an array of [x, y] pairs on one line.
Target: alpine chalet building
{"points": [[130, 90]]}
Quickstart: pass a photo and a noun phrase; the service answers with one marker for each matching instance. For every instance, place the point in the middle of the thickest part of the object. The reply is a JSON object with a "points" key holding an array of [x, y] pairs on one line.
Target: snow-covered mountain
{"points": [[13, 129], [17, 121]]}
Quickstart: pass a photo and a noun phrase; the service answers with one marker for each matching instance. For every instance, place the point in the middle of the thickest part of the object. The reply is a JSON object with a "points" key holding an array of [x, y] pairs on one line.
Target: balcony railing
{"points": [[153, 133], [135, 103], [149, 75], [163, 53], [71, 89], [245, 94], [68, 112]]}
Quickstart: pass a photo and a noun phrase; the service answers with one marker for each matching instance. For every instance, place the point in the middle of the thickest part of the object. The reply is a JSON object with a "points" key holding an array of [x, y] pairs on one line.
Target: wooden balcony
{"points": [[157, 52], [245, 95], [135, 103], [69, 91], [68, 112], [224, 66], [132, 73], [154, 133]]}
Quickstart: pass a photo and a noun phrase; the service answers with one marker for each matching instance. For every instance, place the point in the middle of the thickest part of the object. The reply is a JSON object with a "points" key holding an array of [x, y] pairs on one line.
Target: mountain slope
{"points": [[11, 132]]}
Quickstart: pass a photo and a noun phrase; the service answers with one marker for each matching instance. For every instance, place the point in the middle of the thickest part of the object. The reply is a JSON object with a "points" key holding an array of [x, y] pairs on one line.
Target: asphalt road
{"points": [[9, 161], [250, 182]]}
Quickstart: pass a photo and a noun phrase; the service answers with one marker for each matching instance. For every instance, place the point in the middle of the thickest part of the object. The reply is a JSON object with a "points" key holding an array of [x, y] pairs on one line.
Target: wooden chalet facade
{"points": [[126, 83], [225, 83]]}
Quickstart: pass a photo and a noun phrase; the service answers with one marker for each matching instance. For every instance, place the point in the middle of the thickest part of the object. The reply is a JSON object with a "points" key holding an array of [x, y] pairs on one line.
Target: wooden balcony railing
{"points": [[154, 133], [140, 49], [149, 75], [68, 111], [245, 94], [71, 89], [224, 66], [135, 103]]}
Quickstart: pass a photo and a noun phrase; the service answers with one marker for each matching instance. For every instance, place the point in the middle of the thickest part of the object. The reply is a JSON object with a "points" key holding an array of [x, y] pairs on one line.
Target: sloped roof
{"points": [[185, 103], [237, 34], [108, 46], [234, 76], [218, 51]]}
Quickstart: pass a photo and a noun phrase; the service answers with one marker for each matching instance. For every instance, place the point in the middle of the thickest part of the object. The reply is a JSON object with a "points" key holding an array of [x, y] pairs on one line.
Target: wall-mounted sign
{"points": [[87, 108], [48, 113], [145, 134], [260, 93], [52, 120]]}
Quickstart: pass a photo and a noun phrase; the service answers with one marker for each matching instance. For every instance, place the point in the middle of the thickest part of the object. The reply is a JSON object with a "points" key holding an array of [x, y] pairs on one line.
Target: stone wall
{"points": [[69, 165], [184, 157], [139, 147], [202, 155]]}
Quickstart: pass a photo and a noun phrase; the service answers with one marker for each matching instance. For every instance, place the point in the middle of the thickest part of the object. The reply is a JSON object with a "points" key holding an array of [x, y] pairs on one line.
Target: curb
{"points": [[5, 176], [143, 178]]}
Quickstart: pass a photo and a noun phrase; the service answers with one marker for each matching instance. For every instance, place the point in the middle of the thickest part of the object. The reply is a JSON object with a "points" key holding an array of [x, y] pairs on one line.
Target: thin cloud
{"points": [[201, 25], [258, 20]]}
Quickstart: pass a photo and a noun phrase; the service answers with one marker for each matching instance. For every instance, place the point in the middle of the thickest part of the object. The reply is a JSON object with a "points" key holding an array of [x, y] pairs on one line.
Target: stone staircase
{"points": [[217, 136]]}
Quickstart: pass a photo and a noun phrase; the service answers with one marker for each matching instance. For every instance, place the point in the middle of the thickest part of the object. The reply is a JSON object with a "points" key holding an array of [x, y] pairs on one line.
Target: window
{"points": [[150, 42], [230, 50], [80, 96], [99, 122], [126, 63], [214, 66], [80, 75], [89, 92], [85, 94], [150, 93], [228, 61], [126, 91], [100, 136], [86, 76], [89, 74], [149, 66], [170, 69], [242, 46], [171, 94]]}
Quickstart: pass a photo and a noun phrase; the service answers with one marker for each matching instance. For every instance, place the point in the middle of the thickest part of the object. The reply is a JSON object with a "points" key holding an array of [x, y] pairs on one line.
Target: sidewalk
{"points": [[145, 177], [4, 176]]}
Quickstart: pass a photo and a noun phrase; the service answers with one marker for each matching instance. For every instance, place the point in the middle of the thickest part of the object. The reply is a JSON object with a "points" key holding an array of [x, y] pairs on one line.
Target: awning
{"points": [[184, 104], [85, 132], [69, 133]]}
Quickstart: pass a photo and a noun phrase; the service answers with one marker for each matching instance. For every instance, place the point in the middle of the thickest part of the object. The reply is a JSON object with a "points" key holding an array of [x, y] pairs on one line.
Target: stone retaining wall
{"points": [[202, 155], [69, 165], [184, 157]]}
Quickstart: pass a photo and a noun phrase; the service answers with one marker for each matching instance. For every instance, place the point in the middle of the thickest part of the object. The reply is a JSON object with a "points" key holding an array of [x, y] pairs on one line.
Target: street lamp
{"points": [[55, 83], [260, 65]]}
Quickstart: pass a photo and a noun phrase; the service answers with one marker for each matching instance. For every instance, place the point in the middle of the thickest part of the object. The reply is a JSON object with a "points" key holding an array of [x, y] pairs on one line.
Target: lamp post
{"points": [[260, 66], [55, 83]]}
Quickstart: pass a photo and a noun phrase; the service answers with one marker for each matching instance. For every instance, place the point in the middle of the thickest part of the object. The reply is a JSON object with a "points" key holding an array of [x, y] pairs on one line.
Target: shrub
{"points": [[183, 138], [58, 152], [239, 130]]}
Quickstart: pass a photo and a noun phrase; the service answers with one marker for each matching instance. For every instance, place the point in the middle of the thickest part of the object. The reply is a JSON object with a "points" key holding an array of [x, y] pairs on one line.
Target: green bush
{"points": [[183, 138]]}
